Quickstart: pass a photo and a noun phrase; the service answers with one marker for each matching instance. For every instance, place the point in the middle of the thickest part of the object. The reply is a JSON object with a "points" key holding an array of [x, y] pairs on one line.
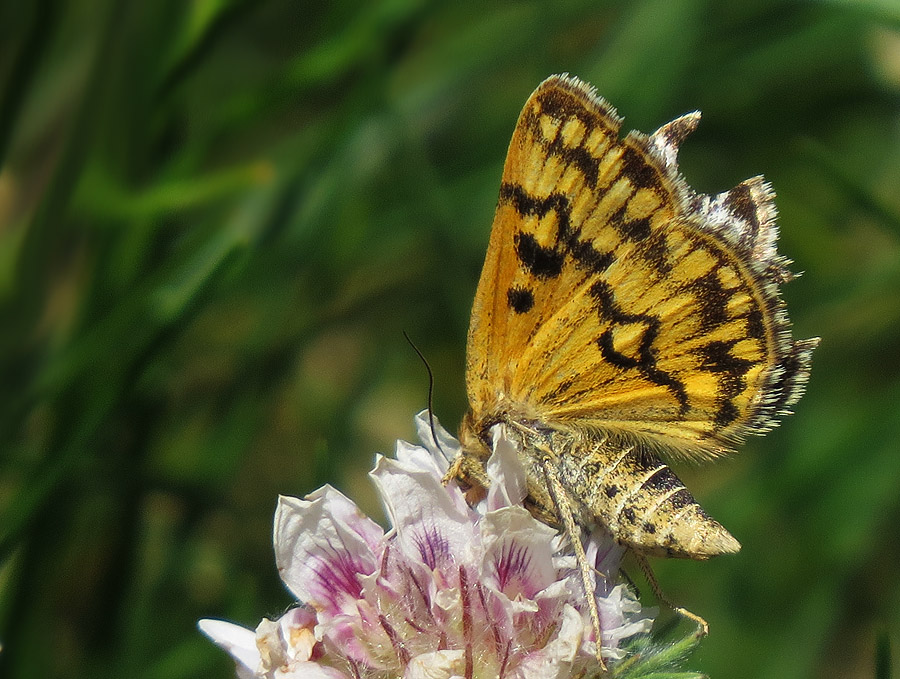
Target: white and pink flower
{"points": [[450, 591]]}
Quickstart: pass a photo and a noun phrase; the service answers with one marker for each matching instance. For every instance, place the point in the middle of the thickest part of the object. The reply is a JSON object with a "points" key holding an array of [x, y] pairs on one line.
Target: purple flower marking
{"points": [[434, 548]]}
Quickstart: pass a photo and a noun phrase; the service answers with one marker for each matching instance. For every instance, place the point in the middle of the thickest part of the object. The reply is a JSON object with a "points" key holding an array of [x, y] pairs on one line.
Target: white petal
{"points": [[618, 620], [568, 639], [554, 661], [297, 627], [417, 457], [308, 670], [433, 523], [606, 556], [272, 649], [436, 665], [504, 468], [285, 646], [445, 449], [239, 641], [321, 544]]}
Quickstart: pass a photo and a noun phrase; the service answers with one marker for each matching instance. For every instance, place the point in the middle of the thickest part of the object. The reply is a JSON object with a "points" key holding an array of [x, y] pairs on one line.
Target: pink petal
{"points": [[354, 636], [518, 553], [322, 545], [433, 526]]}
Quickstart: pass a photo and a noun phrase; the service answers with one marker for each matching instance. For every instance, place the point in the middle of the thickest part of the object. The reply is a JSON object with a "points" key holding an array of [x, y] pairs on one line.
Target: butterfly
{"points": [[622, 319]]}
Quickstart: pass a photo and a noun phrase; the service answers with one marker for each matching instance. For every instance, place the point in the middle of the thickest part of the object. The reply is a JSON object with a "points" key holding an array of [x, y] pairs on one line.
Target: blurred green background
{"points": [[218, 216]]}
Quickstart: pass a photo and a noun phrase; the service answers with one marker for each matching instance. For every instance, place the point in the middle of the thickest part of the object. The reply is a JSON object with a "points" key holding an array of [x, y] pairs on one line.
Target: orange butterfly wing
{"points": [[614, 298]]}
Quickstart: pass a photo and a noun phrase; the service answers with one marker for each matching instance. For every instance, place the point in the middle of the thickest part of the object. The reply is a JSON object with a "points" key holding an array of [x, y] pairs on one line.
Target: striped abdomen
{"points": [[639, 499]]}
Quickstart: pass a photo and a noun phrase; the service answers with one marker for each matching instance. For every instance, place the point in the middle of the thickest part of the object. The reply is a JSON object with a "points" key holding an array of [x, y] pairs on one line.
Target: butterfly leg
{"points": [[454, 471], [702, 625], [564, 510], [469, 472]]}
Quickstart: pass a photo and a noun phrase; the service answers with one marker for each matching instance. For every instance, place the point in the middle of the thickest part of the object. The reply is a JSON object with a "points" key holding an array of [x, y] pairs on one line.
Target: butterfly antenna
{"points": [[430, 392]]}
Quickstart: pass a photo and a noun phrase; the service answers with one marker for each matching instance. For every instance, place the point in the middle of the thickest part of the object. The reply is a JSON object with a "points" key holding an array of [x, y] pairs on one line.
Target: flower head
{"points": [[449, 591]]}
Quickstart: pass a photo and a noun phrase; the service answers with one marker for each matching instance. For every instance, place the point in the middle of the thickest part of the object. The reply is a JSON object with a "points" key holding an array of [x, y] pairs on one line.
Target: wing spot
{"points": [[521, 300], [635, 166], [726, 414], [656, 252], [634, 230], [755, 325], [712, 300], [541, 261], [588, 257], [731, 370]]}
